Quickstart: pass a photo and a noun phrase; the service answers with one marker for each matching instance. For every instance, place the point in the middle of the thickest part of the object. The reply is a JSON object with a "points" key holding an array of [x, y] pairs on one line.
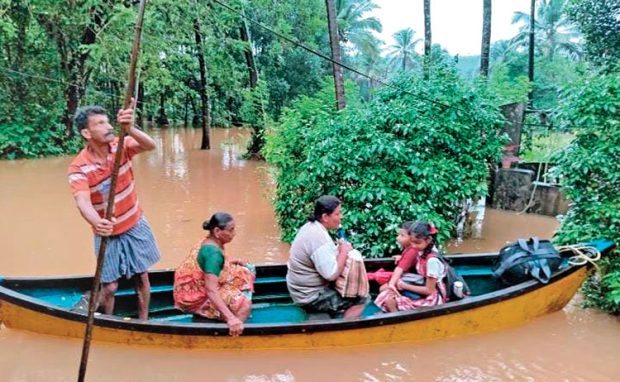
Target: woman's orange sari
{"points": [[190, 292]]}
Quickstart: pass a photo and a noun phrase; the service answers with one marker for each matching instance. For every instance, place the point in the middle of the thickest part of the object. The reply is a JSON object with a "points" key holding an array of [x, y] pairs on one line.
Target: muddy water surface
{"points": [[179, 186]]}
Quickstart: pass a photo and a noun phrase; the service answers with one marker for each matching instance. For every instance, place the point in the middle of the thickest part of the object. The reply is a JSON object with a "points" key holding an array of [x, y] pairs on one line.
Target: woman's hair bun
{"points": [[218, 220]]}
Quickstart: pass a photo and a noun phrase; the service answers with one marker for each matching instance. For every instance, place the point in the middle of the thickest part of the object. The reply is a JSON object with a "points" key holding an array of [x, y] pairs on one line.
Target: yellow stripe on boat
{"points": [[482, 318]]}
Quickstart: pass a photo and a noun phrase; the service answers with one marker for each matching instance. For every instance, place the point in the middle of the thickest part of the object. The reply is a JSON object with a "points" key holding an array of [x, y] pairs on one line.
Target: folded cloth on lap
{"points": [[353, 281]]}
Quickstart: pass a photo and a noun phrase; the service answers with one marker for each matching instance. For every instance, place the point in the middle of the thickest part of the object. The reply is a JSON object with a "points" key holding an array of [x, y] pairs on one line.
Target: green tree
{"points": [[599, 22], [288, 70], [402, 54], [554, 33], [397, 157], [74, 31], [486, 38], [332, 26], [354, 26], [371, 62], [590, 173]]}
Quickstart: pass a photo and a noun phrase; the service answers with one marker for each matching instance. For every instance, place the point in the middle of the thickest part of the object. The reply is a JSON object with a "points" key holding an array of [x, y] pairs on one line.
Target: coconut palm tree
{"points": [[369, 61], [402, 53], [428, 40], [335, 48], [486, 38], [554, 34], [354, 26], [500, 51]]}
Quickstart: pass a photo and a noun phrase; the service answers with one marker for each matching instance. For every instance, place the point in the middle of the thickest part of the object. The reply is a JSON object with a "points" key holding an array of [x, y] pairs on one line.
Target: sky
{"points": [[455, 24]]}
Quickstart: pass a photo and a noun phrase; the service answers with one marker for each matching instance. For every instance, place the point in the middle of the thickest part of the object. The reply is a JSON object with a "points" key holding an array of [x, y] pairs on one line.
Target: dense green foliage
{"points": [[59, 57], [599, 23], [554, 35], [398, 157], [389, 155], [590, 171]]}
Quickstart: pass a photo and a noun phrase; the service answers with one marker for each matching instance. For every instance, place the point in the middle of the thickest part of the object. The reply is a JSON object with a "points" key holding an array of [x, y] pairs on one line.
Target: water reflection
{"points": [[232, 151]]}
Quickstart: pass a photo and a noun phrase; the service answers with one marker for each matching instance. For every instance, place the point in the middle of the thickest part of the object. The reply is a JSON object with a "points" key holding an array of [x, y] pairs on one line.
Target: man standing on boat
{"points": [[131, 247]]}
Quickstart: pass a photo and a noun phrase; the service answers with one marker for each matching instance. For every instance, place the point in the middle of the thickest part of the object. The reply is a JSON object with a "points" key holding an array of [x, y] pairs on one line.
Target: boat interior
{"points": [[271, 301]]}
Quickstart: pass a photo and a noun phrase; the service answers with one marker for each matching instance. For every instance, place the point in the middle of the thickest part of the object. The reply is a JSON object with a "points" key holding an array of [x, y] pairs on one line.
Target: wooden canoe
{"points": [[43, 305]]}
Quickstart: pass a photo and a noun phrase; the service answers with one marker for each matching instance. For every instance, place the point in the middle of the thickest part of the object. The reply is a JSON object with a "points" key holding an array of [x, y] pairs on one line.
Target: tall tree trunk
{"points": [[116, 94], [140, 106], [249, 56], [72, 101], [257, 141], [186, 111], [530, 61], [74, 57], [428, 41], [20, 15], [333, 39], [162, 118], [204, 96], [486, 38], [195, 112]]}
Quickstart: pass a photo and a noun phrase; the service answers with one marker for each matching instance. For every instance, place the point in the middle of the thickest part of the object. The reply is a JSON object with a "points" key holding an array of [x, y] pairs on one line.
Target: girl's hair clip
{"points": [[433, 229]]}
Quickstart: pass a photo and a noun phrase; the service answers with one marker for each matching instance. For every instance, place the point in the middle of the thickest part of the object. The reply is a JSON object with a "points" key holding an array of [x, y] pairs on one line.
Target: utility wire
{"points": [[49, 79], [354, 70], [325, 57], [298, 44]]}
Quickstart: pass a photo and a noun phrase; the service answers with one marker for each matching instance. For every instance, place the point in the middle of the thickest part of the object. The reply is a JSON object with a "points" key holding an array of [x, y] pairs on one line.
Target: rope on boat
{"points": [[583, 254]]}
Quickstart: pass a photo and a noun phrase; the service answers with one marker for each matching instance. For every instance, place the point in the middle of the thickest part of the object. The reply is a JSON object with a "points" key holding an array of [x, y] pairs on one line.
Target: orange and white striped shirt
{"points": [[85, 173]]}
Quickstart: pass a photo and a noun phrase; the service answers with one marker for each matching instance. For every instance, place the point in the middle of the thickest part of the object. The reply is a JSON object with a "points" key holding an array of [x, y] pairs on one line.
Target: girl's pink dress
{"points": [[406, 303]]}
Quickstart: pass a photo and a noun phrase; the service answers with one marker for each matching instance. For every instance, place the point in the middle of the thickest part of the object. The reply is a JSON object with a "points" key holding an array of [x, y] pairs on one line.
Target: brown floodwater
{"points": [[42, 233]]}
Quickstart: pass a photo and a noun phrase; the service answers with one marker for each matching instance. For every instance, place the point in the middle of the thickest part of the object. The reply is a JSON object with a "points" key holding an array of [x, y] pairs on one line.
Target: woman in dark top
{"points": [[208, 284]]}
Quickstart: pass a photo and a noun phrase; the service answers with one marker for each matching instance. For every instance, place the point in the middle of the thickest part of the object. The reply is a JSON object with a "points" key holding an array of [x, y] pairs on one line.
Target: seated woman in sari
{"points": [[210, 285]]}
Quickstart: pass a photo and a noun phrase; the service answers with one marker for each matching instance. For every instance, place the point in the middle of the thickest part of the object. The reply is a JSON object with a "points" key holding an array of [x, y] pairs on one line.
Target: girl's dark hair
{"points": [[424, 230], [218, 220], [326, 204], [407, 226]]}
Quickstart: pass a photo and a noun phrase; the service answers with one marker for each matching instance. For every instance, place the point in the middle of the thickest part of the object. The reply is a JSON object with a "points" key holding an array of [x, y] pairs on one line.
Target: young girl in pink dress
{"points": [[394, 295], [404, 262]]}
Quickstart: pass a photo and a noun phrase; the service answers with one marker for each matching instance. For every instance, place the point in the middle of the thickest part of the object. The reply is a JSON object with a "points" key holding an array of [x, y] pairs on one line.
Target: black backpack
{"points": [[451, 278], [524, 260]]}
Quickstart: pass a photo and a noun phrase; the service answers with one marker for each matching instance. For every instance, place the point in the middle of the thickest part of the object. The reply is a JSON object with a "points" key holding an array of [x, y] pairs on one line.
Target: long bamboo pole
{"points": [[94, 293]]}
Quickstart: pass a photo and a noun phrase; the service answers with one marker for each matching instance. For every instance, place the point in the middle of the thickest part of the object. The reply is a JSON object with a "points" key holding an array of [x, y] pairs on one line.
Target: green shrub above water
{"points": [[36, 137], [398, 157], [590, 170]]}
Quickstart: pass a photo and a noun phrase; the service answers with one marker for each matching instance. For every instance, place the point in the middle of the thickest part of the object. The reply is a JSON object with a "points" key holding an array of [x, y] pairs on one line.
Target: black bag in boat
{"points": [[525, 260]]}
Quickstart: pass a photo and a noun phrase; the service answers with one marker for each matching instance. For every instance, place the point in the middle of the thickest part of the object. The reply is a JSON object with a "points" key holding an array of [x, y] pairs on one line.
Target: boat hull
{"points": [[514, 306]]}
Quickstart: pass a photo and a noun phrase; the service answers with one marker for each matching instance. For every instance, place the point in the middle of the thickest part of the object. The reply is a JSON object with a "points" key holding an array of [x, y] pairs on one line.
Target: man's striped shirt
{"points": [[86, 174]]}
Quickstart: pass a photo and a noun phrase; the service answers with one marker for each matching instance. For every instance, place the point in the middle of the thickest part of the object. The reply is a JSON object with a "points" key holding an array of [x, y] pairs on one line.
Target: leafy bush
{"points": [[505, 89], [36, 137], [544, 144], [397, 158], [598, 22], [590, 167]]}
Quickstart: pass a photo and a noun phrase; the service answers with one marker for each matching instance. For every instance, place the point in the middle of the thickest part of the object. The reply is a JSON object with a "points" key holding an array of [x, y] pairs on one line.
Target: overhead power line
{"points": [[326, 57], [299, 44], [50, 79], [354, 70]]}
